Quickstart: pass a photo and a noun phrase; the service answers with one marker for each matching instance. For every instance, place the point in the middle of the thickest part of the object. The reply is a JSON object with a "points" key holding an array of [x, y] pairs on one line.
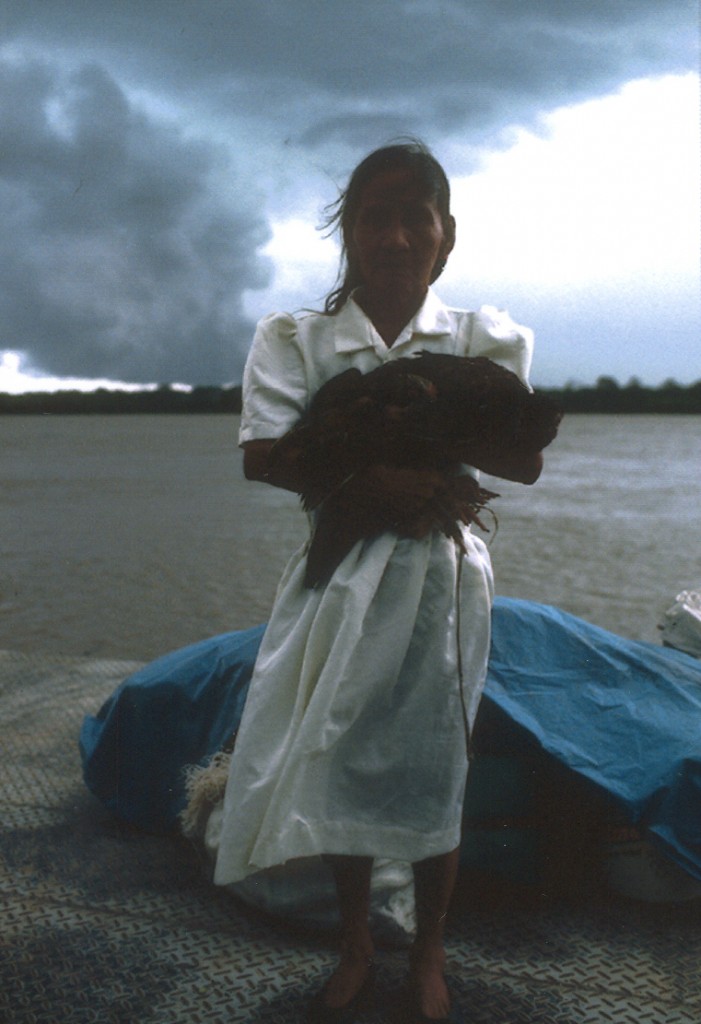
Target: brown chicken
{"points": [[430, 411]]}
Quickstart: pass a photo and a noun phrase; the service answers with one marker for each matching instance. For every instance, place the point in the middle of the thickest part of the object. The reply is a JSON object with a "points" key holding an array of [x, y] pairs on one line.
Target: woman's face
{"points": [[398, 237]]}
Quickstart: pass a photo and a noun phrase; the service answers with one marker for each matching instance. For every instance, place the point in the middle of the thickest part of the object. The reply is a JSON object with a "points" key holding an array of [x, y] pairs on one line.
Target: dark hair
{"points": [[412, 156]]}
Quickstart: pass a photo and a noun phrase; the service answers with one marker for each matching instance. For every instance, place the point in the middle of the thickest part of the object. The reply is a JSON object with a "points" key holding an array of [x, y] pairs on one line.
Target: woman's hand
{"points": [[409, 489], [414, 486], [522, 467], [403, 499]]}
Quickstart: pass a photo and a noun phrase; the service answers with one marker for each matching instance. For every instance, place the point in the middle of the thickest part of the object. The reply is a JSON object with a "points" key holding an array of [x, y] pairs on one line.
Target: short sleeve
{"points": [[274, 390], [495, 335]]}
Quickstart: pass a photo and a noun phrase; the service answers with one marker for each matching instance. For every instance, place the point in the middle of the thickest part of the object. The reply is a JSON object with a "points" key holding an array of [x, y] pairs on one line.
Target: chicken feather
{"points": [[432, 410]]}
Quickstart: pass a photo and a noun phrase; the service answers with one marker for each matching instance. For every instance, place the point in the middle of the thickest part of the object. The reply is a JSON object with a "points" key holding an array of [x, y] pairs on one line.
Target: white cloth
{"points": [[353, 738]]}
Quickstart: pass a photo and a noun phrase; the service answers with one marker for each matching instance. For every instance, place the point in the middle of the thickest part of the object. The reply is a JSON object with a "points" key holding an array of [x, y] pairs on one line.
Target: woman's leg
{"points": [[434, 882], [352, 877]]}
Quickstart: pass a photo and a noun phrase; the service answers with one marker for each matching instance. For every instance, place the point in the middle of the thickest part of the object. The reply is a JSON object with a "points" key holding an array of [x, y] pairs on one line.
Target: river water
{"points": [[129, 536]]}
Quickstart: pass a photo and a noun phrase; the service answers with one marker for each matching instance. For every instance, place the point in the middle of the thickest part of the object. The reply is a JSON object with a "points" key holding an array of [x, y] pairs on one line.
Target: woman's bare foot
{"points": [[428, 985], [434, 881], [352, 877], [347, 980]]}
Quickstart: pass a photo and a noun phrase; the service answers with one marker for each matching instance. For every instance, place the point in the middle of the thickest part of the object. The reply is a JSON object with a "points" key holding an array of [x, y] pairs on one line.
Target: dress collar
{"points": [[353, 330]]}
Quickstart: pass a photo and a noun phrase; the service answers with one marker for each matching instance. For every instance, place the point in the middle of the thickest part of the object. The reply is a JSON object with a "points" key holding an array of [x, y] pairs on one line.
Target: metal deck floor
{"points": [[106, 924]]}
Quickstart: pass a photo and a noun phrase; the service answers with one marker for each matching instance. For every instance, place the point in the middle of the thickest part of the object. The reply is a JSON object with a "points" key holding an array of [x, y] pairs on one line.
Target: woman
{"points": [[354, 738]]}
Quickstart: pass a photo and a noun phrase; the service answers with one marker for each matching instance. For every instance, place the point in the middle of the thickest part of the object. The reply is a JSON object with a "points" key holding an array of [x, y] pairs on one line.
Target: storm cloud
{"points": [[148, 148], [467, 65], [120, 256]]}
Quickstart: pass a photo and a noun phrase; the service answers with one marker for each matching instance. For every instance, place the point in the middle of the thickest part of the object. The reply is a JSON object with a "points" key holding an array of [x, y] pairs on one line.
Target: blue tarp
{"points": [[176, 711], [623, 714]]}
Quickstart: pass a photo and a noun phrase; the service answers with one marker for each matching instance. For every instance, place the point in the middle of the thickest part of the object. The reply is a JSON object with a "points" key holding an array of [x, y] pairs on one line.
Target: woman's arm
{"points": [[407, 489], [285, 472], [522, 467]]}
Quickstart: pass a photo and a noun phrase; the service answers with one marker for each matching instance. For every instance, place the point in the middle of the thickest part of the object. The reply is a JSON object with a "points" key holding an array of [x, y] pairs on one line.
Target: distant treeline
{"points": [[164, 399], [606, 396]]}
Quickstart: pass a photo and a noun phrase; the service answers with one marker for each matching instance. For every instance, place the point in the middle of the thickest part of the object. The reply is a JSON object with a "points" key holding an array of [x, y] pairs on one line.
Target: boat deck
{"points": [[103, 923]]}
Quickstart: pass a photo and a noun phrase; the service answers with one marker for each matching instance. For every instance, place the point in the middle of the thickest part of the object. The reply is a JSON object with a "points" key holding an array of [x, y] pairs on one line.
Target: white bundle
{"points": [[681, 624]]}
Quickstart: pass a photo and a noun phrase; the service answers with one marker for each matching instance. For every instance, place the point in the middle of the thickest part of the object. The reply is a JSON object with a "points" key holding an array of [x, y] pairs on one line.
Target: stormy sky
{"points": [[165, 163]]}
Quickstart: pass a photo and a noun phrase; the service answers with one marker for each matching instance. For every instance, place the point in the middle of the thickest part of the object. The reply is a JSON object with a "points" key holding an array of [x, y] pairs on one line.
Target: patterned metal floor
{"points": [[105, 924]]}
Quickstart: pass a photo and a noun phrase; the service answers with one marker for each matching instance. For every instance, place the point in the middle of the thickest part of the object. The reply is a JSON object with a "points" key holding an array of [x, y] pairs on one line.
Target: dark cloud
{"points": [[121, 258], [131, 236], [472, 64]]}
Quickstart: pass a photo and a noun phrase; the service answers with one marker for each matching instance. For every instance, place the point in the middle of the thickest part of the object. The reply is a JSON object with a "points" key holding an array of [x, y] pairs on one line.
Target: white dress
{"points": [[354, 734]]}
